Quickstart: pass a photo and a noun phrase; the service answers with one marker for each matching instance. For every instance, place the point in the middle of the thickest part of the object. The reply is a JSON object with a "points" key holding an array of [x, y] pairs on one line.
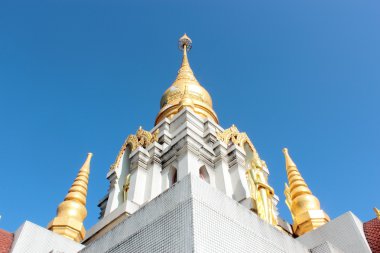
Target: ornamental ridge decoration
{"points": [[233, 135], [142, 138]]}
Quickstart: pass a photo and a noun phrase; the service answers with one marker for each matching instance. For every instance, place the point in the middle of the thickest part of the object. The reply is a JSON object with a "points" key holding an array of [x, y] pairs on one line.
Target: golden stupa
{"points": [[304, 206], [72, 211], [186, 91]]}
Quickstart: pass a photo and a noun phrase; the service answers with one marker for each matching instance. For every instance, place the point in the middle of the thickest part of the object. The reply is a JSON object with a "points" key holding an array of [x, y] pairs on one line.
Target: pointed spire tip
{"points": [[377, 212], [288, 160], [72, 211], [185, 42]]}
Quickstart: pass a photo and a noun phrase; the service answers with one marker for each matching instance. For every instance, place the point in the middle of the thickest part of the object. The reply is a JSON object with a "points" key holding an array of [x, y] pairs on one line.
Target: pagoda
{"points": [[190, 184]]}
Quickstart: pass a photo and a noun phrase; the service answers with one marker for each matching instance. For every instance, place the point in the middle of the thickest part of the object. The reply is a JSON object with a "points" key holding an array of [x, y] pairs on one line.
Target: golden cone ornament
{"points": [[72, 211]]}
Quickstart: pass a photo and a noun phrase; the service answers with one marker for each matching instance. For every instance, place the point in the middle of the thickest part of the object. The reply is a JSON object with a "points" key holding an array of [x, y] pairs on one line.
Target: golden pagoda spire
{"points": [[186, 91], [72, 211], [185, 72], [304, 206], [377, 212]]}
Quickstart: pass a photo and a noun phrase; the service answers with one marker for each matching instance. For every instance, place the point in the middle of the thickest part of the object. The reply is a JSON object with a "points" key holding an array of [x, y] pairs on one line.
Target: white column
{"points": [[117, 181], [154, 177], [114, 191], [222, 174], [187, 164], [237, 171], [138, 179]]}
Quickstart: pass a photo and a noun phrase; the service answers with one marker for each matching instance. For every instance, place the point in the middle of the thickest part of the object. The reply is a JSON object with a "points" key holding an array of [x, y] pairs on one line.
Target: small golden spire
{"points": [[185, 72], [72, 211], [297, 184], [186, 91], [304, 206], [377, 212]]}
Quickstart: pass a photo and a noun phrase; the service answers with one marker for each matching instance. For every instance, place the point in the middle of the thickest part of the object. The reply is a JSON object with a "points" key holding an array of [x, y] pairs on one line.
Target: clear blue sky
{"points": [[80, 76]]}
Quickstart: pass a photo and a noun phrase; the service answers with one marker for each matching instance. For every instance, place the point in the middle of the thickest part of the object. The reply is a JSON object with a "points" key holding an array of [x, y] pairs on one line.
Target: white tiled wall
{"points": [[344, 232], [194, 217], [326, 247], [31, 238]]}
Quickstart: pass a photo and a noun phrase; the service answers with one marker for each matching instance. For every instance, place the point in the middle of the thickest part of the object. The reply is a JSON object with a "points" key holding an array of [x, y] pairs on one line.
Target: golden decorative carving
{"points": [[186, 91], [304, 206], [261, 193], [233, 135], [72, 211], [119, 155], [141, 138], [126, 186], [288, 198]]}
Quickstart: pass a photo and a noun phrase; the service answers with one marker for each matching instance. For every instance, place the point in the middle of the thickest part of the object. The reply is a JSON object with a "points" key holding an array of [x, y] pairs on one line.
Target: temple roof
{"points": [[372, 233], [6, 239]]}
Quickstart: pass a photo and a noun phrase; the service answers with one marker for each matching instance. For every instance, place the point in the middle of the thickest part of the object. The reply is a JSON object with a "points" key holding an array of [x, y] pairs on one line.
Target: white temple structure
{"points": [[191, 185]]}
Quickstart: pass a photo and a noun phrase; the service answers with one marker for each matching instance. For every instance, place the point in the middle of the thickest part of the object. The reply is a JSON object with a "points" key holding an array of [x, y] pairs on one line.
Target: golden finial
{"points": [[185, 42], [304, 206], [185, 72], [377, 212], [297, 183], [186, 91], [72, 211]]}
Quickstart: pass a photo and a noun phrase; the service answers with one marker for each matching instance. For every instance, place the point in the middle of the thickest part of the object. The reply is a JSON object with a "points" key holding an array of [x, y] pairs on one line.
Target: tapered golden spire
{"points": [[377, 212], [186, 91], [185, 72], [304, 206], [72, 211]]}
